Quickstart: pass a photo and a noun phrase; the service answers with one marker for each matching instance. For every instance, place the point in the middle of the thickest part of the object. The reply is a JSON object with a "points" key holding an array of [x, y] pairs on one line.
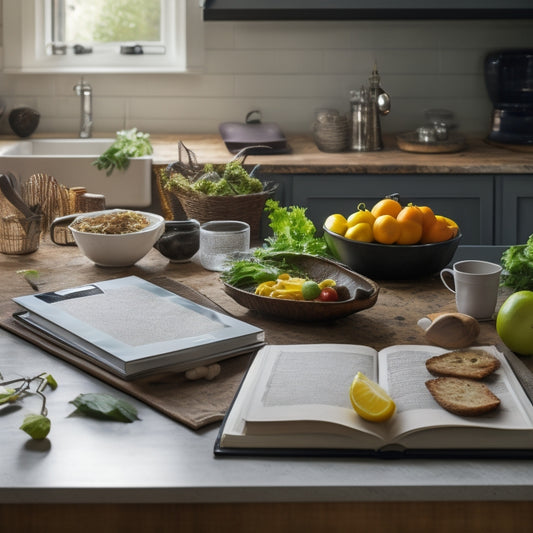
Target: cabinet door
{"points": [[514, 201], [467, 199]]}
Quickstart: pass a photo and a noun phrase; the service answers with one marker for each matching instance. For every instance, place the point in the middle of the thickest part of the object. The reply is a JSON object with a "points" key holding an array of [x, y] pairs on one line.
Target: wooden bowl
{"points": [[356, 292]]}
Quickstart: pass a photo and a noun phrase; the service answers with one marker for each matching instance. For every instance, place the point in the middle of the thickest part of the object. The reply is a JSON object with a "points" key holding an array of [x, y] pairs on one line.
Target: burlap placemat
{"points": [[193, 403]]}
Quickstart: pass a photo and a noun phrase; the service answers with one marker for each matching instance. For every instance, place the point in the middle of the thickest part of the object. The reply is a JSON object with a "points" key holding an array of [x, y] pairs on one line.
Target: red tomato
{"points": [[328, 294]]}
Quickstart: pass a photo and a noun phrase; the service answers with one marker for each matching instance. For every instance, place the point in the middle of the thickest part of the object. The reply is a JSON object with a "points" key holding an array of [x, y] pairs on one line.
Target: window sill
{"points": [[102, 70]]}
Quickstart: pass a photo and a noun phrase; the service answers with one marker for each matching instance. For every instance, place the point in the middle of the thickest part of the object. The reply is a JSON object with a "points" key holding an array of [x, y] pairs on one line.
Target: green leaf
{"points": [[51, 381], [101, 405], [31, 276], [128, 144], [36, 426], [7, 395]]}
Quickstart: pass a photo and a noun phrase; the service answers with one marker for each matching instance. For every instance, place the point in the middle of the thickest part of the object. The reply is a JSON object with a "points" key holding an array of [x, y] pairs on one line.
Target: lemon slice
{"points": [[369, 400]]}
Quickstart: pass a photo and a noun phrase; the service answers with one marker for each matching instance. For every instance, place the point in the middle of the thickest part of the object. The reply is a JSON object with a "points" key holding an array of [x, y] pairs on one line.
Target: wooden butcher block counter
{"points": [[479, 157]]}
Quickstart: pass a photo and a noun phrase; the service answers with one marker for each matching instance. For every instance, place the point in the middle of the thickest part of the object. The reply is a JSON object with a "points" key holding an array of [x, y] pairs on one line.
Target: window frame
{"points": [[28, 54]]}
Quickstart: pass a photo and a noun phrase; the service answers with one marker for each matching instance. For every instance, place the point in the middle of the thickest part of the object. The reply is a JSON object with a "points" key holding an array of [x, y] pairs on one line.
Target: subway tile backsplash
{"points": [[288, 70]]}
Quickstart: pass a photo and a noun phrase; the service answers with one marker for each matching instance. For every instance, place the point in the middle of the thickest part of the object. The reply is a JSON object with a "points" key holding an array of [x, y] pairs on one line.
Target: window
{"points": [[115, 36]]}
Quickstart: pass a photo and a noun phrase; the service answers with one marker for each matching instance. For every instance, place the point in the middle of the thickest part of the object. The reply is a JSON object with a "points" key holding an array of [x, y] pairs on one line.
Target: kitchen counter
{"points": [[157, 475], [478, 158]]}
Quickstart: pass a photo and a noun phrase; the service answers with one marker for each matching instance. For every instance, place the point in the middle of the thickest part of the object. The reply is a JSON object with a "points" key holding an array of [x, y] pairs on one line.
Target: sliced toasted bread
{"points": [[465, 397], [469, 363]]}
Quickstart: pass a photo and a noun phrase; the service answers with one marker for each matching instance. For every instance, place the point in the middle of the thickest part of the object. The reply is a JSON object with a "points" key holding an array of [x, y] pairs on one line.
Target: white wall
{"points": [[287, 70]]}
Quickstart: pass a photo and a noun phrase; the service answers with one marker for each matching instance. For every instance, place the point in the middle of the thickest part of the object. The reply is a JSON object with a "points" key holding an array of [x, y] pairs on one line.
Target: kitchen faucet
{"points": [[85, 91]]}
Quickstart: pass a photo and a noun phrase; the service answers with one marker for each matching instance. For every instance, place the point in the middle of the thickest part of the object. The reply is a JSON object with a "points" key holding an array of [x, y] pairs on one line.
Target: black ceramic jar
{"points": [[180, 241]]}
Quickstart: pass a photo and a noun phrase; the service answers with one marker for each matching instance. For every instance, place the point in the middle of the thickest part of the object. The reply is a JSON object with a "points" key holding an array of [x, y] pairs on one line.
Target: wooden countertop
{"points": [[478, 158], [392, 320]]}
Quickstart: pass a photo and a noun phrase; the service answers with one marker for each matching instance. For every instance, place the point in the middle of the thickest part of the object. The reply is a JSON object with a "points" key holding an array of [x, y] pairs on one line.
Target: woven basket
{"points": [[19, 235], [245, 207], [178, 202]]}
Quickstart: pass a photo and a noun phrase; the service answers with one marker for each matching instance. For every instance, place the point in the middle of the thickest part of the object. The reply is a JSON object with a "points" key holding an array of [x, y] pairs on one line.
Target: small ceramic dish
{"points": [[356, 292], [180, 241]]}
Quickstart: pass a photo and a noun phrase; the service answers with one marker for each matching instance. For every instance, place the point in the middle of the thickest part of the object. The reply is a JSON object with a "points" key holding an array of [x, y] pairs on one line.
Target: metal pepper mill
{"points": [[367, 105]]}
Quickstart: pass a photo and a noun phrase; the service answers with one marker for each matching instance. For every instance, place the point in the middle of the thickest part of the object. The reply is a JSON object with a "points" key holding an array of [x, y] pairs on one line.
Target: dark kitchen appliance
{"points": [[509, 81]]}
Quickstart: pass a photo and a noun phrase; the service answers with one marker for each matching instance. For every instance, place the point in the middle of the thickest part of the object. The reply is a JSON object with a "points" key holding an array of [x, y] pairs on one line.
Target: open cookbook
{"points": [[294, 400]]}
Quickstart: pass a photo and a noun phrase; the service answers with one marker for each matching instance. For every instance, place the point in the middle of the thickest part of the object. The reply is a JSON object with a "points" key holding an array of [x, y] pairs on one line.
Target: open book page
{"points": [[402, 372], [302, 383]]}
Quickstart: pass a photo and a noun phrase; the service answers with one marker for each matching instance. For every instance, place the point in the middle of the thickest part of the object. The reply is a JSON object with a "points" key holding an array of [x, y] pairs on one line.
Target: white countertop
{"points": [[159, 460]]}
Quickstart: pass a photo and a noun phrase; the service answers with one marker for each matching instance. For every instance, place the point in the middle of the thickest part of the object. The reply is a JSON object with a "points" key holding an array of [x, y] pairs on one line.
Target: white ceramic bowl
{"points": [[122, 249]]}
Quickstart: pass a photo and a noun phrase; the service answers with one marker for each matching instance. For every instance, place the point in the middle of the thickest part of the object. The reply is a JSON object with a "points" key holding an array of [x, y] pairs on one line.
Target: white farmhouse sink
{"points": [[69, 161]]}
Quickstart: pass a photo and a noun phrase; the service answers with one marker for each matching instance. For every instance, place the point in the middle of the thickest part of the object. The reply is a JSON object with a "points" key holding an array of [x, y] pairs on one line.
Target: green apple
{"points": [[514, 322]]}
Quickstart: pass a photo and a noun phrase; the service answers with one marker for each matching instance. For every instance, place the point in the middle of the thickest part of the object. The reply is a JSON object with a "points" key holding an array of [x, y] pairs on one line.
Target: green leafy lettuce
{"points": [[517, 262], [292, 232]]}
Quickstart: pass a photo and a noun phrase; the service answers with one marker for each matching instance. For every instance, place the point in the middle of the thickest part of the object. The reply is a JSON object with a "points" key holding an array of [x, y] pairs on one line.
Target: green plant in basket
{"points": [[229, 179]]}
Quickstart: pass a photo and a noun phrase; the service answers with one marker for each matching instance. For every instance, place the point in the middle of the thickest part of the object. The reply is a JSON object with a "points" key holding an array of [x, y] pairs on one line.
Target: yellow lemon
{"points": [[336, 223], [360, 232], [369, 400], [448, 221], [361, 215]]}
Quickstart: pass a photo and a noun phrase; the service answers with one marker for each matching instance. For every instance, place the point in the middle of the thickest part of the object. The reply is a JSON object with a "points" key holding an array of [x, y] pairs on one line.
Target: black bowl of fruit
{"points": [[372, 243]]}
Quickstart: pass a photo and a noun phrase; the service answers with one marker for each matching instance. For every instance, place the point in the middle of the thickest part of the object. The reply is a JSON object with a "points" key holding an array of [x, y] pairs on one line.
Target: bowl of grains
{"points": [[116, 237]]}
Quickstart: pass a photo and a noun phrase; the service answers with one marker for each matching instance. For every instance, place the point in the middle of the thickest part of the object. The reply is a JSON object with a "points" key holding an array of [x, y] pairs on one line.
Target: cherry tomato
{"points": [[328, 294]]}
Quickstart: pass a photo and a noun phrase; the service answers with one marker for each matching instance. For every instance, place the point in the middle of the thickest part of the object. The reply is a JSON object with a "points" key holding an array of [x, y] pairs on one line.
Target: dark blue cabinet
{"points": [[514, 200]]}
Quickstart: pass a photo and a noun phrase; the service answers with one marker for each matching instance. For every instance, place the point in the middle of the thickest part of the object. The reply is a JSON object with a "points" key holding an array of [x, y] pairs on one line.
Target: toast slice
{"points": [[464, 397], [468, 363]]}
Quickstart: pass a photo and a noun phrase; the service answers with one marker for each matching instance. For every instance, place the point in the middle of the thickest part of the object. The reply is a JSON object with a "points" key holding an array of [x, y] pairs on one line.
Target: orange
{"points": [[361, 215], [428, 216], [360, 232], [336, 223], [386, 229], [411, 232], [387, 206], [438, 231], [411, 212]]}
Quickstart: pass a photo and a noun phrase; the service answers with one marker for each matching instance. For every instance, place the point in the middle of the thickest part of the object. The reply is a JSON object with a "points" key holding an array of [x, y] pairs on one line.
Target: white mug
{"points": [[476, 287]]}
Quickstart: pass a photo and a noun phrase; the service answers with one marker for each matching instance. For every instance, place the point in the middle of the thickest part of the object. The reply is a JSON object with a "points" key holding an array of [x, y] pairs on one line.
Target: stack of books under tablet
{"points": [[133, 328]]}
